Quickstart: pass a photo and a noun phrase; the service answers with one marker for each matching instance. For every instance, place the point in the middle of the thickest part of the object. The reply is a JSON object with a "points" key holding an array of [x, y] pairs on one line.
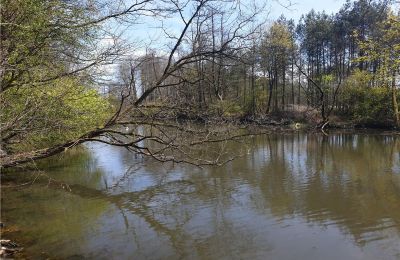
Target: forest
{"points": [[69, 75], [342, 66], [199, 129]]}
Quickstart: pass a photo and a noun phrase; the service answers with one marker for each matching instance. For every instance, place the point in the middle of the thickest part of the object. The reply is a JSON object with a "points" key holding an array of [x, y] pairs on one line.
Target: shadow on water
{"points": [[289, 196]]}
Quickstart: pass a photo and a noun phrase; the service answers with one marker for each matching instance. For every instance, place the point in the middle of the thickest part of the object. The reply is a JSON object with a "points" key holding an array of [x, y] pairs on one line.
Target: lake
{"points": [[294, 195]]}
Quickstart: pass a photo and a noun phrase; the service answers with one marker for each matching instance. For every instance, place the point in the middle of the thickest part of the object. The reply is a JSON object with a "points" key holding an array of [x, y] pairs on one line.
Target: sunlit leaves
{"points": [[53, 113]]}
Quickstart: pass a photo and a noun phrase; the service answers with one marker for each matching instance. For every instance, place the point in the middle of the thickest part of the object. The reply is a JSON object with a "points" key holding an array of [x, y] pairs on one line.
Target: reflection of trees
{"points": [[343, 179], [152, 205], [75, 166], [50, 219], [168, 208], [351, 181]]}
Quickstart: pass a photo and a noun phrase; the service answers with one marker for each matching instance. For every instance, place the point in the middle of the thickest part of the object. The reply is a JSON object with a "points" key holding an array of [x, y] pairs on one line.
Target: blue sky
{"points": [[300, 7], [147, 30]]}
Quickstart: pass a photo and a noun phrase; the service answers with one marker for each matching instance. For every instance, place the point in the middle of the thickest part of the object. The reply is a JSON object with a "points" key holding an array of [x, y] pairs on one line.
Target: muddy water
{"points": [[288, 196]]}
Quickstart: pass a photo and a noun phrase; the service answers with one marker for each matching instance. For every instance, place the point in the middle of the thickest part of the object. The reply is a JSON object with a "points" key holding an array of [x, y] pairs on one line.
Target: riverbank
{"points": [[285, 119], [305, 116], [10, 248]]}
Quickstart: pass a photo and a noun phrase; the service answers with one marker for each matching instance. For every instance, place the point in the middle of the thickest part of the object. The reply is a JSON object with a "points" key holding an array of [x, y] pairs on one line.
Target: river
{"points": [[296, 195]]}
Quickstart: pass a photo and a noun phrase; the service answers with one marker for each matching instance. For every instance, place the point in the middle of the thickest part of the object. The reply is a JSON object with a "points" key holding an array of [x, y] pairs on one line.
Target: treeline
{"points": [[342, 65]]}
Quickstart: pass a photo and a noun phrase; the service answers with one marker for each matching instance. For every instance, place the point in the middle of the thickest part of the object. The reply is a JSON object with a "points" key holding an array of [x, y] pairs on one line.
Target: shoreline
{"points": [[276, 121], [9, 243]]}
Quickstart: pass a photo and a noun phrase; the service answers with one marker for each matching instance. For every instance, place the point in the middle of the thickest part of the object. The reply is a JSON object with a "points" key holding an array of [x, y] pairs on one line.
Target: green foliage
{"points": [[39, 41], [372, 104], [327, 79], [384, 48], [43, 100], [364, 103], [56, 112], [276, 46]]}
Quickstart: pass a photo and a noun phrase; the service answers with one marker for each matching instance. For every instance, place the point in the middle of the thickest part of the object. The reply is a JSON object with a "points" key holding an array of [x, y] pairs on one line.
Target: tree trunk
{"points": [[253, 97], [292, 72], [283, 86], [271, 86], [394, 100]]}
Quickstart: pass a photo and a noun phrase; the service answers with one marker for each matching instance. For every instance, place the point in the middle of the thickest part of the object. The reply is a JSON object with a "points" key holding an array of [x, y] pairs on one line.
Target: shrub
{"points": [[364, 103]]}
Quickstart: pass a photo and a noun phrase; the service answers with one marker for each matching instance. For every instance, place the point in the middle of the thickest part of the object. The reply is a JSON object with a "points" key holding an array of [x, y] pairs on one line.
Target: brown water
{"points": [[290, 196]]}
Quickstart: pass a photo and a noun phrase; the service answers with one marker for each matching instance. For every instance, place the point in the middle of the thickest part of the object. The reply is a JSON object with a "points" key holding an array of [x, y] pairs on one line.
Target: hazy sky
{"points": [[300, 7]]}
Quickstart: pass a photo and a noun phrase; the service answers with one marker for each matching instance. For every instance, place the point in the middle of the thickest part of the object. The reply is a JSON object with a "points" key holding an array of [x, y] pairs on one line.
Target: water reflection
{"points": [[290, 196]]}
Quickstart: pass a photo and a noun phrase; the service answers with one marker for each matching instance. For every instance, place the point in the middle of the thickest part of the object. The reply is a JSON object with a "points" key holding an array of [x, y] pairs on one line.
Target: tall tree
{"points": [[276, 49], [384, 49]]}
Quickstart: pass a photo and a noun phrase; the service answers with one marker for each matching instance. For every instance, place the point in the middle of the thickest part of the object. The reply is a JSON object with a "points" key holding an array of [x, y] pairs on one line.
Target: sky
{"points": [[300, 7], [147, 31], [292, 9]]}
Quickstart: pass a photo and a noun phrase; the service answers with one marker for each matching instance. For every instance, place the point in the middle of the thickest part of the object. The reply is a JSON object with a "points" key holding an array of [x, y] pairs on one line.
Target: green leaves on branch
{"points": [[53, 113], [363, 103]]}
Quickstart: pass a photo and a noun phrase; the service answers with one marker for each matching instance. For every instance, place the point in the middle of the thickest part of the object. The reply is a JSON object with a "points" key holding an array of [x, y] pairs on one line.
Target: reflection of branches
{"points": [[37, 175], [137, 203], [131, 170]]}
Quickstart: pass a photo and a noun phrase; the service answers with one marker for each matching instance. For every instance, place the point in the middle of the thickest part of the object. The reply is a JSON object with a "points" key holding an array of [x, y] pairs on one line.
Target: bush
{"points": [[364, 103], [56, 112]]}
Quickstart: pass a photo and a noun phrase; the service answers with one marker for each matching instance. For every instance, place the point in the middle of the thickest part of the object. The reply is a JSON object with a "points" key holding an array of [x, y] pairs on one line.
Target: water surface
{"points": [[289, 196]]}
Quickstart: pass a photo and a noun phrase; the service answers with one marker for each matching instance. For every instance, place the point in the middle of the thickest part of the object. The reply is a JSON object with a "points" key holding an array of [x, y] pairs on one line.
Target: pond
{"points": [[296, 195]]}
